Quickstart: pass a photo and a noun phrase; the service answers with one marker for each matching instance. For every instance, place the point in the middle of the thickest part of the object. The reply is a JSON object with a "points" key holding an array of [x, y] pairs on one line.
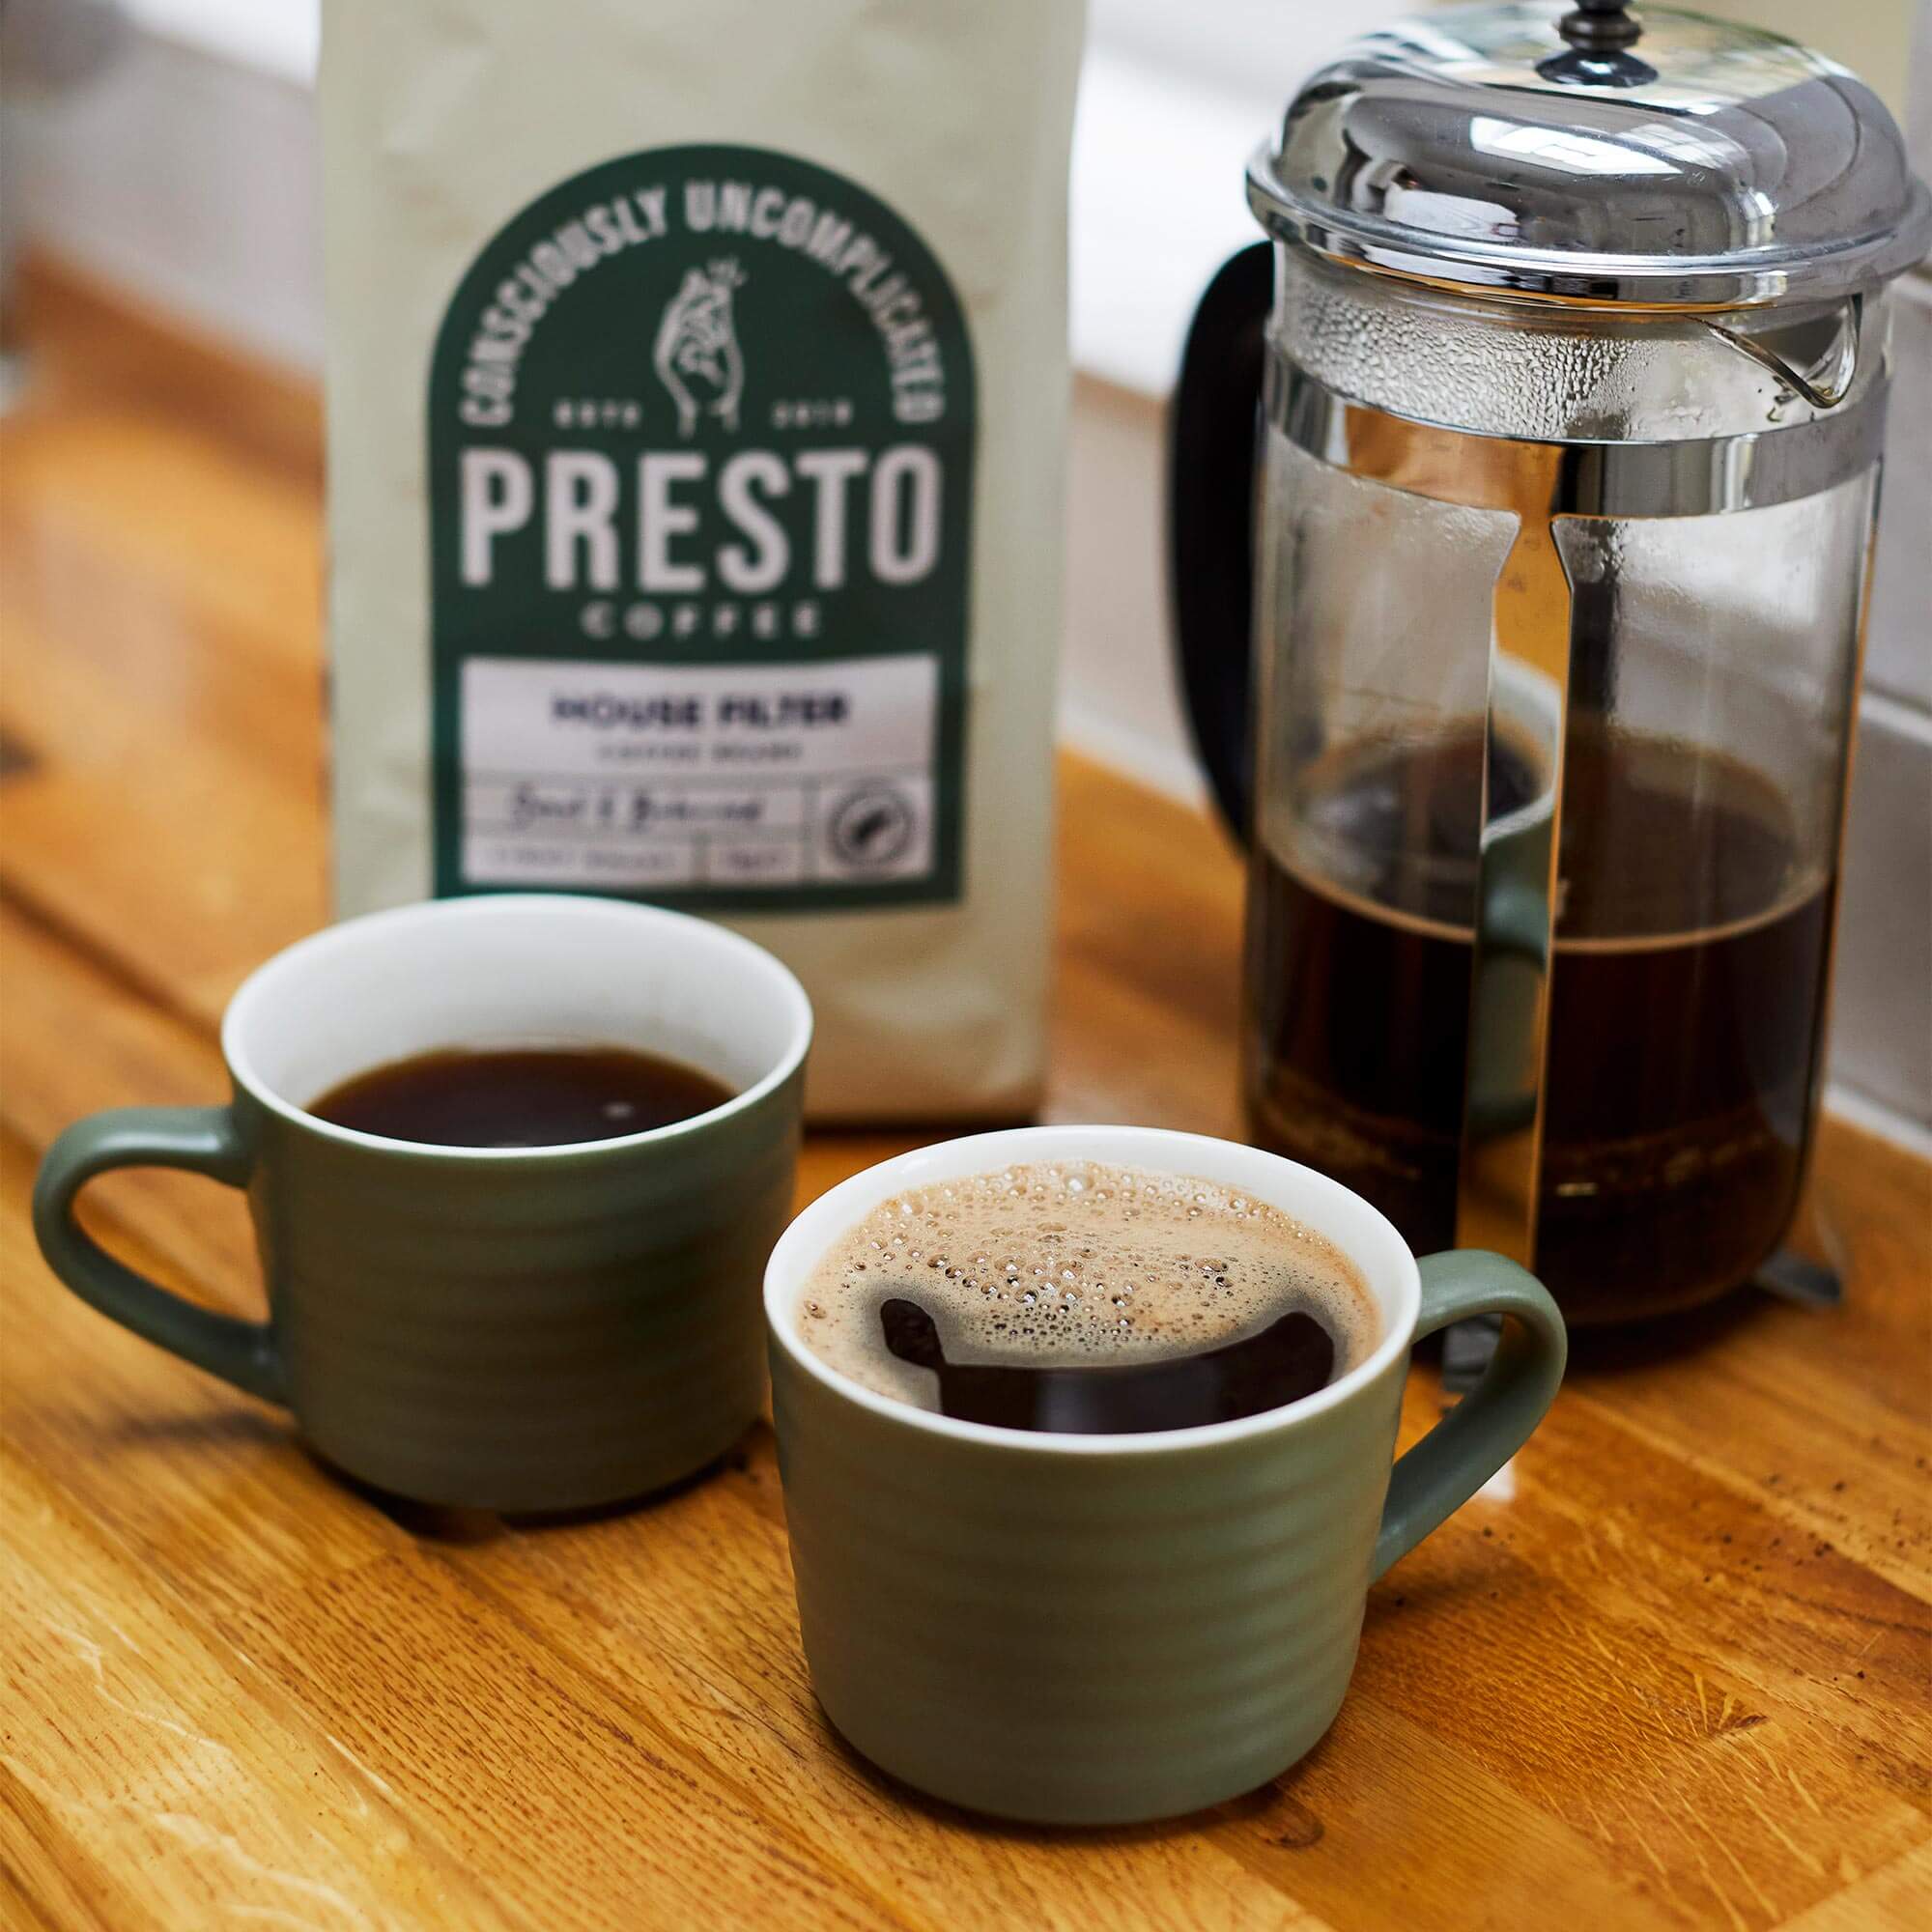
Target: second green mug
{"points": [[517, 1328], [1090, 1630]]}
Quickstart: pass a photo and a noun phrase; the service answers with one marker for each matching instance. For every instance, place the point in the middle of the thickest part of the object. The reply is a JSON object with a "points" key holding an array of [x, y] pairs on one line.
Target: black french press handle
{"points": [[1214, 447]]}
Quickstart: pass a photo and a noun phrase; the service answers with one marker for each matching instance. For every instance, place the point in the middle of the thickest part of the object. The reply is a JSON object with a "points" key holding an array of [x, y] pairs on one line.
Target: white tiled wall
{"points": [[1898, 652], [1881, 1033]]}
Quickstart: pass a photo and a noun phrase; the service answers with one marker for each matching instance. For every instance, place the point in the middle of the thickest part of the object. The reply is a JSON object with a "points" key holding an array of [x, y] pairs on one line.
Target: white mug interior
{"points": [[536, 969], [1362, 1232]]}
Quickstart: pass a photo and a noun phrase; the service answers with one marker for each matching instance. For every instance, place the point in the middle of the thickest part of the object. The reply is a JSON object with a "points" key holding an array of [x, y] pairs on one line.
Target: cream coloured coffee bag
{"points": [[697, 380]]}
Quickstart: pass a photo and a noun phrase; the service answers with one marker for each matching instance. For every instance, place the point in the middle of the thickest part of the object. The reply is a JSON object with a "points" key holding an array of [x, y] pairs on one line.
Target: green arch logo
{"points": [[701, 430]]}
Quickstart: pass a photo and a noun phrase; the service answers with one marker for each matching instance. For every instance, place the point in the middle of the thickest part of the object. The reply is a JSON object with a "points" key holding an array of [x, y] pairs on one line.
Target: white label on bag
{"points": [[731, 775]]}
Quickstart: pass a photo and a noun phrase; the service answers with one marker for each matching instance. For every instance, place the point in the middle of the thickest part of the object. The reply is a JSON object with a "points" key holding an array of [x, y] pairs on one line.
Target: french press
{"points": [[1570, 354]]}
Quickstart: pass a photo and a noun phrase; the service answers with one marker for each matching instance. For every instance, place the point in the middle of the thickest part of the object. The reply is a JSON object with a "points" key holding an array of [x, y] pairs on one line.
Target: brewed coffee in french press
{"points": [[1530, 669]]}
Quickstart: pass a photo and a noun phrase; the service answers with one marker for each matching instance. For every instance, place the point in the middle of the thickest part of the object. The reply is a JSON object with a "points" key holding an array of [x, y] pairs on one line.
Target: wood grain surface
{"points": [[1670, 1669]]}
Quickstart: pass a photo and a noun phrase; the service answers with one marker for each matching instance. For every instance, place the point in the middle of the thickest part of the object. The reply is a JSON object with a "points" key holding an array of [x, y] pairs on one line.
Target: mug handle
{"points": [[202, 1140], [1494, 1419]]}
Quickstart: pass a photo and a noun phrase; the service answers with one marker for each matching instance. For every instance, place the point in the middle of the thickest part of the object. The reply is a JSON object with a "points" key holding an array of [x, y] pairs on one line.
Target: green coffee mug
{"points": [[1107, 1629], [519, 1328]]}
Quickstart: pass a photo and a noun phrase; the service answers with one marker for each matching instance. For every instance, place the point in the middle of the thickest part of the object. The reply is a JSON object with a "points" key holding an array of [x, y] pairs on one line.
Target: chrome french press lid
{"points": [[1647, 157]]}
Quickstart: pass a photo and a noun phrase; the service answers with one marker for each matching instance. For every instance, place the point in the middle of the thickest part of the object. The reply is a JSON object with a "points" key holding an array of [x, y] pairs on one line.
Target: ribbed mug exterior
{"points": [[1080, 1639], [1087, 1630], [581, 1331], [515, 1327]]}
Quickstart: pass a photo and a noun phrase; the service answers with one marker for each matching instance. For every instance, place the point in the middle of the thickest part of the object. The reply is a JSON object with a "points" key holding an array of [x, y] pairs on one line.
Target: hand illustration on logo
{"points": [[696, 354]]}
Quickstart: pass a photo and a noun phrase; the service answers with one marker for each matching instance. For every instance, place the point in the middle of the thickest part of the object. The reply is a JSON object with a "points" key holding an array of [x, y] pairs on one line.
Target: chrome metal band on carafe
{"points": [[1531, 638], [1690, 478]]}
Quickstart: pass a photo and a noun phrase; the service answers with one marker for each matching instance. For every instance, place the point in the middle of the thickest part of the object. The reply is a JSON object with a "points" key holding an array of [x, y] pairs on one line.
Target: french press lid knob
{"points": [[1600, 35]]}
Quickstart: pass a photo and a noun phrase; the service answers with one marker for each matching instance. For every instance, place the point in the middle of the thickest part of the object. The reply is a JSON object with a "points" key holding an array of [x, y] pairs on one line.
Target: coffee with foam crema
{"points": [[1082, 1298]]}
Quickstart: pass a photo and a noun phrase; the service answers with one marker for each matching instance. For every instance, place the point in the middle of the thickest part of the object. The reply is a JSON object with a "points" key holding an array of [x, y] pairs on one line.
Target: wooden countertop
{"points": [[1672, 1669]]}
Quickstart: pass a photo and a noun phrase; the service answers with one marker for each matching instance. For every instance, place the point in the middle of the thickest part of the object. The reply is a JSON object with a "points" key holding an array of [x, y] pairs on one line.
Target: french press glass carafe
{"points": [[1571, 356]]}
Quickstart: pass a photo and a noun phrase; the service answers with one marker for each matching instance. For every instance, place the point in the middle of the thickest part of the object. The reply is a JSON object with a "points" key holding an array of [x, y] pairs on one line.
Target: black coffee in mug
{"points": [[520, 1096], [1087, 1299]]}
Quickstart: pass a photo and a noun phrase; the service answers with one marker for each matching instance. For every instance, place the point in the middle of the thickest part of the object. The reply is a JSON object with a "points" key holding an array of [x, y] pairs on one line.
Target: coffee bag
{"points": [[697, 382]]}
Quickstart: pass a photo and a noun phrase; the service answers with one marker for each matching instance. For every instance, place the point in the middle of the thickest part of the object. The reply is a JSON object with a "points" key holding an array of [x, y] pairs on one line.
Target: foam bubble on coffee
{"points": [[1072, 1264]]}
